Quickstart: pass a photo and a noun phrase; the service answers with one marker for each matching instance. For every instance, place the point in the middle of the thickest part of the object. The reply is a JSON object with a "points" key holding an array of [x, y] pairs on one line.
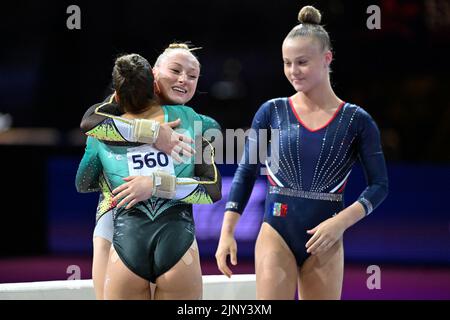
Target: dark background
{"points": [[50, 75]]}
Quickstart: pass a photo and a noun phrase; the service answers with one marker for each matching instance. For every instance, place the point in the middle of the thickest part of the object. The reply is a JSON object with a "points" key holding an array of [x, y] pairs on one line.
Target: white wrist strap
{"points": [[145, 130], [164, 185]]}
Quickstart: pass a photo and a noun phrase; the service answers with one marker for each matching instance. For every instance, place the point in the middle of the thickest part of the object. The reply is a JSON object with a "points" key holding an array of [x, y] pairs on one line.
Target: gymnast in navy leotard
{"points": [[313, 168], [301, 238]]}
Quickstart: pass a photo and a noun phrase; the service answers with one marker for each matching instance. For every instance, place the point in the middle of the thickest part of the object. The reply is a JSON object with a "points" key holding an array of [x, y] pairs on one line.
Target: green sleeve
{"points": [[102, 127], [205, 193], [105, 202], [209, 123], [90, 168], [107, 131]]}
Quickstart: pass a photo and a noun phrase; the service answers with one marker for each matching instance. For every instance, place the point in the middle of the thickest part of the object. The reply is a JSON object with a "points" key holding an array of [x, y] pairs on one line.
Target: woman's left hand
{"points": [[325, 235], [137, 188]]}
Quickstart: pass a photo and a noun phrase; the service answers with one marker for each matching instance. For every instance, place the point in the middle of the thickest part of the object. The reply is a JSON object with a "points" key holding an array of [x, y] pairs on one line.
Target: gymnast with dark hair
{"points": [[154, 233]]}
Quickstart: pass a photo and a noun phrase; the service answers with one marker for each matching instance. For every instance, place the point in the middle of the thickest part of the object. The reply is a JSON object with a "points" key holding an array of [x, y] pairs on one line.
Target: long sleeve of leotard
{"points": [[201, 193], [106, 128], [90, 178], [373, 162], [248, 169], [90, 169], [109, 129], [203, 171]]}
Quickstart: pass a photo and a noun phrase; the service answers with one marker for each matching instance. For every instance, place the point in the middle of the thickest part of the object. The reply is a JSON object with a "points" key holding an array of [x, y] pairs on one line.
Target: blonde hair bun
{"points": [[309, 14], [176, 45]]}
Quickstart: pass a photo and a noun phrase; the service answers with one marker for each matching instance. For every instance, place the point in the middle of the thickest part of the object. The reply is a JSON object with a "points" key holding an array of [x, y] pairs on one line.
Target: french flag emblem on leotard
{"points": [[279, 209]]}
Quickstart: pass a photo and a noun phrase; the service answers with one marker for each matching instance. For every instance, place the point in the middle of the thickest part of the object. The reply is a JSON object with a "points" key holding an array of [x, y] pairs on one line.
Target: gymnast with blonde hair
{"points": [[320, 136], [176, 74]]}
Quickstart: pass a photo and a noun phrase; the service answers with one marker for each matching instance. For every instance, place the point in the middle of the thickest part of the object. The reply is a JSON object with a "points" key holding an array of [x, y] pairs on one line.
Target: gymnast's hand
{"points": [[227, 246], [172, 142], [137, 188], [325, 235]]}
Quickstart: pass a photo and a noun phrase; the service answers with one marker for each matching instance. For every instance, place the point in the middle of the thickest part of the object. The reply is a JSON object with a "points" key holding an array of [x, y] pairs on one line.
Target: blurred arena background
{"points": [[49, 76]]}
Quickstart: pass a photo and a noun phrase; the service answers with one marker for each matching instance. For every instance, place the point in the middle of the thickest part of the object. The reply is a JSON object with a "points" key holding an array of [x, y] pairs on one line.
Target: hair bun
{"points": [[126, 65], [177, 45], [309, 14]]}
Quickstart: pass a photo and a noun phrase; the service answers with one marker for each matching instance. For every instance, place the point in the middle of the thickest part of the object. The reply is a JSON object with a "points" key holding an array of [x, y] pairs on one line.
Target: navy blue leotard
{"points": [[308, 173]]}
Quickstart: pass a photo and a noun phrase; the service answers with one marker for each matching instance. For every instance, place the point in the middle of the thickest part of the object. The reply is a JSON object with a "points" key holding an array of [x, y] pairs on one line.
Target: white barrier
{"points": [[239, 287]]}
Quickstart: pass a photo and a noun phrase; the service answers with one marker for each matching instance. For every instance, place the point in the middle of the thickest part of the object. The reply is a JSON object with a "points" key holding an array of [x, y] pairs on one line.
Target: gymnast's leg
{"points": [[183, 280], [99, 264], [102, 239], [321, 275], [121, 283], [275, 266]]}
